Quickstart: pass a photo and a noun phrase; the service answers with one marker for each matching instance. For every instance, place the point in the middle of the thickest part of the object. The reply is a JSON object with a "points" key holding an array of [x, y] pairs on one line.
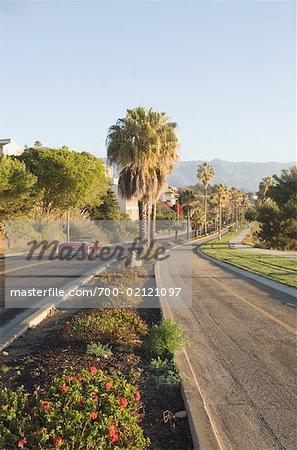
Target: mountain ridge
{"points": [[244, 174]]}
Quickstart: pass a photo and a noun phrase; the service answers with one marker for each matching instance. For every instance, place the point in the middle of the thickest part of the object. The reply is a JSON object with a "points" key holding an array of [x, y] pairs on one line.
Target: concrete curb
{"points": [[30, 318], [245, 273], [201, 429]]}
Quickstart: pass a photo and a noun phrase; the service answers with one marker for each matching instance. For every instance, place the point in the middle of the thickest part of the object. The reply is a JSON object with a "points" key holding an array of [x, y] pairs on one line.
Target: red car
{"points": [[86, 244]]}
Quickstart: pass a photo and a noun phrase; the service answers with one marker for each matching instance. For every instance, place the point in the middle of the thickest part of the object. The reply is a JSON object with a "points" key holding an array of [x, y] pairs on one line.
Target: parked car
{"points": [[79, 245]]}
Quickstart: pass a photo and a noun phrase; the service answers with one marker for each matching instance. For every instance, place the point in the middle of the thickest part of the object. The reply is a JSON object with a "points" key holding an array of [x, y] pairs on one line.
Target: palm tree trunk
{"points": [[188, 224], [220, 221], [142, 220], [153, 221], [148, 223], [205, 210]]}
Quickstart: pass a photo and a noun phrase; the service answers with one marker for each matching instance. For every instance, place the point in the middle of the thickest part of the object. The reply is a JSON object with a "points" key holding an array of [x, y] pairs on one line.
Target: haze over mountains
{"points": [[245, 175]]}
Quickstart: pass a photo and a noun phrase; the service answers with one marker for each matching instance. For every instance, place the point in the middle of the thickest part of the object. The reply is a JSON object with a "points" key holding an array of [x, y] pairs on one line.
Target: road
{"points": [[242, 352], [20, 273], [17, 273]]}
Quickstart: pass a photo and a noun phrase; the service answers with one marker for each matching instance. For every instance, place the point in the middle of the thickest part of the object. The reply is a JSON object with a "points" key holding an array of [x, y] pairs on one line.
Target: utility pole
{"points": [[68, 225]]}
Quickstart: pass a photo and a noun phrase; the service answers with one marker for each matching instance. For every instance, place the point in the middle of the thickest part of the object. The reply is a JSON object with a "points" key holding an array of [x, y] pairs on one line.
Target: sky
{"points": [[225, 71]]}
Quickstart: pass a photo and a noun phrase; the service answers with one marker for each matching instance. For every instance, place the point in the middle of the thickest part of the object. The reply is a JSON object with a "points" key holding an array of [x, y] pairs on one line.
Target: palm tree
{"points": [[263, 193], [205, 174], [168, 157], [221, 193], [143, 145], [235, 196], [187, 199]]}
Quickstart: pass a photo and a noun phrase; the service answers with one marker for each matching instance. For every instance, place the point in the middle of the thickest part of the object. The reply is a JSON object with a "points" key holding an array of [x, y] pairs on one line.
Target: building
{"points": [[169, 195], [9, 147], [129, 207]]}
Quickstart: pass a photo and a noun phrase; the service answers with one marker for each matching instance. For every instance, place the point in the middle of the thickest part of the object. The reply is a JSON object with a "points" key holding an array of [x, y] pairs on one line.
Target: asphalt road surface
{"points": [[20, 273], [243, 353], [17, 273]]}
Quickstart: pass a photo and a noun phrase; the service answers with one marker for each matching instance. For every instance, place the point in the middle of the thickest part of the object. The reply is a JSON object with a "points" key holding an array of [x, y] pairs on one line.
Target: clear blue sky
{"points": [[224, 70]]}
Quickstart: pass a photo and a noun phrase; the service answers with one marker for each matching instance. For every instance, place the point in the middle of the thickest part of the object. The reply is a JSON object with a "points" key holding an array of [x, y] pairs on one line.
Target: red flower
{"points": [[68, 378], [137, 396], [78, 377], [64, 389], [107, 385], [113, 434], [22, 442], [94, 415], [58, 441], [45, 404], [95, 397], [93, 370], [123, 402]]}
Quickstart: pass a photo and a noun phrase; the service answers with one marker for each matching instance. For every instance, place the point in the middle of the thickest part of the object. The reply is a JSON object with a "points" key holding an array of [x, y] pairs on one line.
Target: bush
{"points": [[100, 350], [81, 412], [165, 338], [114, 326], [166, 373]]}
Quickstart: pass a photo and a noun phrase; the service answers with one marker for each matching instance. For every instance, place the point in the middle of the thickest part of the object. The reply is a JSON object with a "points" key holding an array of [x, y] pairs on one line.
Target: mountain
{"points": [[245, 175]]}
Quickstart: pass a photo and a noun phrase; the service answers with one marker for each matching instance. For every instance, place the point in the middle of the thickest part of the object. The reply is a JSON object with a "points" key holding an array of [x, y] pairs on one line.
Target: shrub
{"points": [[78, 411], [165, 338], [166, 373], [100, 350], [114, 326]]}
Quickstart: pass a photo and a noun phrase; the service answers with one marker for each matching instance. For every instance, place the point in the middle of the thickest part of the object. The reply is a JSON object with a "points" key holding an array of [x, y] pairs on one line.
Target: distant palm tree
{"points": [[187, 199], [263, 193], [205, 174], [235, 196], [143, 145], [220, 194]]}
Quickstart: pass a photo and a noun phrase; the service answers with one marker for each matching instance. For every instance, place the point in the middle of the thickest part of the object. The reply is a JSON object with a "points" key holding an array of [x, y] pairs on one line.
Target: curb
{"points": [[201, 428], [245, 273], [28, 319]]}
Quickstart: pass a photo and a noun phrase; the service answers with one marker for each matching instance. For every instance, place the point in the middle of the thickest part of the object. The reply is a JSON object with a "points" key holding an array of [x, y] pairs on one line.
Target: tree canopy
{"points": [[66, 179], [17, 188], [278, 216]]}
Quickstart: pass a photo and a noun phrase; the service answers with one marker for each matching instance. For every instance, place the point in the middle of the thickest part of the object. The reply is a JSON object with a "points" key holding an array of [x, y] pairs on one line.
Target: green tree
{"points": [[109, 208], [66, 179], [278, 217], [205, 174], [17, 189]]}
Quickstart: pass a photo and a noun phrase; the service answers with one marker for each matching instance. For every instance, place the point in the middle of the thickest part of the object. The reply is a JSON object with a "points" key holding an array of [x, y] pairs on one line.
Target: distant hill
{"points": [[245, 175]]}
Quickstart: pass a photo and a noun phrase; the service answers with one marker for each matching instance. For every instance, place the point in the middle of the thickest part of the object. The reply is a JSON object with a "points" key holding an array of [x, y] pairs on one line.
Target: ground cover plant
{"points": [[166, 373], [109, 325], [85, 410]]}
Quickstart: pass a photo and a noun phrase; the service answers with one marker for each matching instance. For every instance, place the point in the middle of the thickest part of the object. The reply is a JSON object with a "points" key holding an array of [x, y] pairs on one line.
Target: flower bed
{"points": [[122, 403], [86, 410]]}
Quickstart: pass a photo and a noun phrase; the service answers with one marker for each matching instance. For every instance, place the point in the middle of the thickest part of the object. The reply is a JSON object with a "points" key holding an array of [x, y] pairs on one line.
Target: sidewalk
{"points": [[238, 245]]}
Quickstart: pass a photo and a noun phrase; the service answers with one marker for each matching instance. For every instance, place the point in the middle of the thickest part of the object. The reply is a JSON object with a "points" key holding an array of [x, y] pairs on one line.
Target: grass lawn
{"points": [[277, 268]]}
